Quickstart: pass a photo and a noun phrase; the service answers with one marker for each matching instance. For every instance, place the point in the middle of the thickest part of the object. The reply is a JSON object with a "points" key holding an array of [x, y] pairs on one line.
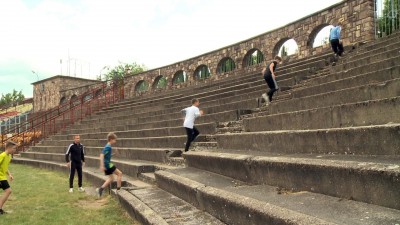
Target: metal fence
{"points": [[387, 17]]}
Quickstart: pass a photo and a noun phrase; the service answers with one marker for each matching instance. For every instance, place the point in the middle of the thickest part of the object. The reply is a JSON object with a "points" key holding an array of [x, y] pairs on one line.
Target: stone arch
{"points": [[225, 65], [284, 42], [86, 96], [160, 82], [179, 77], [74, 100], [202, 72], [97, 93], [141, 86], [253, 57], [63, 100], [316, 32]]}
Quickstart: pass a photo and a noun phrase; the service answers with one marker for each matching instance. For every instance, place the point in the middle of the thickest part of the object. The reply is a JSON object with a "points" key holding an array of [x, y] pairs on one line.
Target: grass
{"points": [[41, 197]]}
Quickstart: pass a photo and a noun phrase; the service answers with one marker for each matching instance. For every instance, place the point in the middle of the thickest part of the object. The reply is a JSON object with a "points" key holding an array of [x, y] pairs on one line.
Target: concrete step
{"points": [[92, 174], [160, 155], [387, 89], [198, 146], [373, 180], [129, 167], [207, 128], [149, 142], [167, 208], [374, 112], [234, 202], [148, 178], [362, 140]]}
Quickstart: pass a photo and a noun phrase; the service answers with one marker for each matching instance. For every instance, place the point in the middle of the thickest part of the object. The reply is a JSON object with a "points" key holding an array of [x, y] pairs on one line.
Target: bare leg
{"points": [[119, 178], [4, 197], [108, 181]]}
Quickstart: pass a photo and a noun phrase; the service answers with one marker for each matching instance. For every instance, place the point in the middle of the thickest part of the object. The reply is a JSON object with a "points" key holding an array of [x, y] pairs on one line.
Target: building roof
{"points": [[64, 77]]}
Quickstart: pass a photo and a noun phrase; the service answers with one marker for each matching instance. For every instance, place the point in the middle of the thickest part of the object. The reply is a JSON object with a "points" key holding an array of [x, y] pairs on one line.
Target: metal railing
{"points": [[387, 17], [58, 119]]}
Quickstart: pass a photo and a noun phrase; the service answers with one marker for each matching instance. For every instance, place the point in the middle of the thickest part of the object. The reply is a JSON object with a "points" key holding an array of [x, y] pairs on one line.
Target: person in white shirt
{"points": [[191, 113]]}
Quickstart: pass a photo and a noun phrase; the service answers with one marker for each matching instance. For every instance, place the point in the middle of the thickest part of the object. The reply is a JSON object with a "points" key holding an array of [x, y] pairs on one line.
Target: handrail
{"points": [[111, 92], [93, 87]]}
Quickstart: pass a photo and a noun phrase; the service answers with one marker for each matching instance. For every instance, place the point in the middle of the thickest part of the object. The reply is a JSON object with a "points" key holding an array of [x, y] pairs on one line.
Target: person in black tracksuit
{"points": [[270, 79], [75, 157]]}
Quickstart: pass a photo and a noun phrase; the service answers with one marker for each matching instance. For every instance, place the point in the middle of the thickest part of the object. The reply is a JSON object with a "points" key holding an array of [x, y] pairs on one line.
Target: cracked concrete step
{"points": [[235, 202], [148, 178], [373, 180], [362, 140]]}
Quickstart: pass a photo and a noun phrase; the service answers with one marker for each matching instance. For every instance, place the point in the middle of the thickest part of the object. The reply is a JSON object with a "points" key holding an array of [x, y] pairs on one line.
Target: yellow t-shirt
{"points": [[4, 162]]}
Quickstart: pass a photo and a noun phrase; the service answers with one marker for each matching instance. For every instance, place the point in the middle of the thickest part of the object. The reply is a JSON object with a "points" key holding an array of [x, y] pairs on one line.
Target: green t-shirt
{"points": [[5, 160]]}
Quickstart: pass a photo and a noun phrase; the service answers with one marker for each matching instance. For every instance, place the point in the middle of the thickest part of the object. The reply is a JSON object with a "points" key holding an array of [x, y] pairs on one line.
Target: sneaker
{"points": [[99, 192], [81, 189], [71, 190], [2, 212], [266, 99]]}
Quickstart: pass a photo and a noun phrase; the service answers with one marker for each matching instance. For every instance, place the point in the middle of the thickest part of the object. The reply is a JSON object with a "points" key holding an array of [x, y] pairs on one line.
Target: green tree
{"points": [[389, 20], [11, 99], [122, 70]]}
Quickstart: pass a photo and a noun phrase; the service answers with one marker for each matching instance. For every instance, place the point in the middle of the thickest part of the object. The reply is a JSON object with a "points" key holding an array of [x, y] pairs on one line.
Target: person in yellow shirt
{"points": [[5, 159]]}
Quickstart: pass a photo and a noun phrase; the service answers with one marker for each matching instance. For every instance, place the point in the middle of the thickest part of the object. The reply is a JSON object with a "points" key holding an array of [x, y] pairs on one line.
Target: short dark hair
{"points": [[10, 144], [278, 58], [111, 136], [194, 100]]}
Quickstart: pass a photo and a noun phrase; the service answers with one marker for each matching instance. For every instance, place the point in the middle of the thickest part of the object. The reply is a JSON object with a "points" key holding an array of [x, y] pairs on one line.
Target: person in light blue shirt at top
{"points": [[334, 38]]}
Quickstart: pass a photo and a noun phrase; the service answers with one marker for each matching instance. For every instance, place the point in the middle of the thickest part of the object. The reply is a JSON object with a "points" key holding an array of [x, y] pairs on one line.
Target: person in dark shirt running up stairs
{"points": [[270, 79], [75, 157]]}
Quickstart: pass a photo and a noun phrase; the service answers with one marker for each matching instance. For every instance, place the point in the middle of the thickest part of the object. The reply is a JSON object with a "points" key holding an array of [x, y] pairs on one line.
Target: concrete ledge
{"points": [[138, 210], [365, 140], [229, 207], [367, 181]]}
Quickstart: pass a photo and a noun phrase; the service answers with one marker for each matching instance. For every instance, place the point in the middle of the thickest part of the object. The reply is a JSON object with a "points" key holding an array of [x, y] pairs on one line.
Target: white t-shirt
{"points": [[192, 113]]}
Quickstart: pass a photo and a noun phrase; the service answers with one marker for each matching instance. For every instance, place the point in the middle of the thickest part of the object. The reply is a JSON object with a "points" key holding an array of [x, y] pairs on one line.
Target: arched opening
{"points": [[86, 97], [226, 65], [286, 47], [74, 100], [179, 77], [97, 93], [253, 57], [63, 100], [202, 72], [160, 82], [319, 36], [141, 86]]}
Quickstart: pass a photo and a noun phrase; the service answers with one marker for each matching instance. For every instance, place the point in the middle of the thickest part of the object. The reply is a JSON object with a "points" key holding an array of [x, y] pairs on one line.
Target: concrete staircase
{"points": [[326, 151]]}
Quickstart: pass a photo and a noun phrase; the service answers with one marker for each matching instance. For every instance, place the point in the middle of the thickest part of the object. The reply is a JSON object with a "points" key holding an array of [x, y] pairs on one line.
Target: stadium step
{"points": [[373, 180], [235, 202]]}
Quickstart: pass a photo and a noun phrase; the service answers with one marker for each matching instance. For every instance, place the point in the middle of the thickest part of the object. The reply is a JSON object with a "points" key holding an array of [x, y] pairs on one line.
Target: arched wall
{"points": [[358, 26]]}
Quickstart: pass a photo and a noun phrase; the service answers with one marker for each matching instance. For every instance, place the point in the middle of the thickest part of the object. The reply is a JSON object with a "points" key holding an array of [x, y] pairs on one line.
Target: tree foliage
{"points": [[11, 99], [389, 20], [122, 70]]}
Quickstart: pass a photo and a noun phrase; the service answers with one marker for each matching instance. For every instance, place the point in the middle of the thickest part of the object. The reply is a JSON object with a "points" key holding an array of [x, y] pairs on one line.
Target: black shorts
{"points": [[110, 170], [4, 184]]}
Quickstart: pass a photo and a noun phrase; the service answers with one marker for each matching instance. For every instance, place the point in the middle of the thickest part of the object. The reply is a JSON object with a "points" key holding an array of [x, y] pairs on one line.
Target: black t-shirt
{"points": [[268, 71]]}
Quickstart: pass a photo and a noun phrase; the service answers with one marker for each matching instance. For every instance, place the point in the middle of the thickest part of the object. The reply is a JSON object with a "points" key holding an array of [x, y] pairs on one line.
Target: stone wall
{"points": [[357, 26], [48, 93]]}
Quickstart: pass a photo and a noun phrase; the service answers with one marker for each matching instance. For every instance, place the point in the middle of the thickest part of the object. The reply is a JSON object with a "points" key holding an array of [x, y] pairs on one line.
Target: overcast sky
{"points": [[36, 34]]}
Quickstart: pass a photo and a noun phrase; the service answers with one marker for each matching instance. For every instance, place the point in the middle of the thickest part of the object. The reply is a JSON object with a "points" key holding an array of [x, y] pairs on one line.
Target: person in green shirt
{"points": [[5, 159]]}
